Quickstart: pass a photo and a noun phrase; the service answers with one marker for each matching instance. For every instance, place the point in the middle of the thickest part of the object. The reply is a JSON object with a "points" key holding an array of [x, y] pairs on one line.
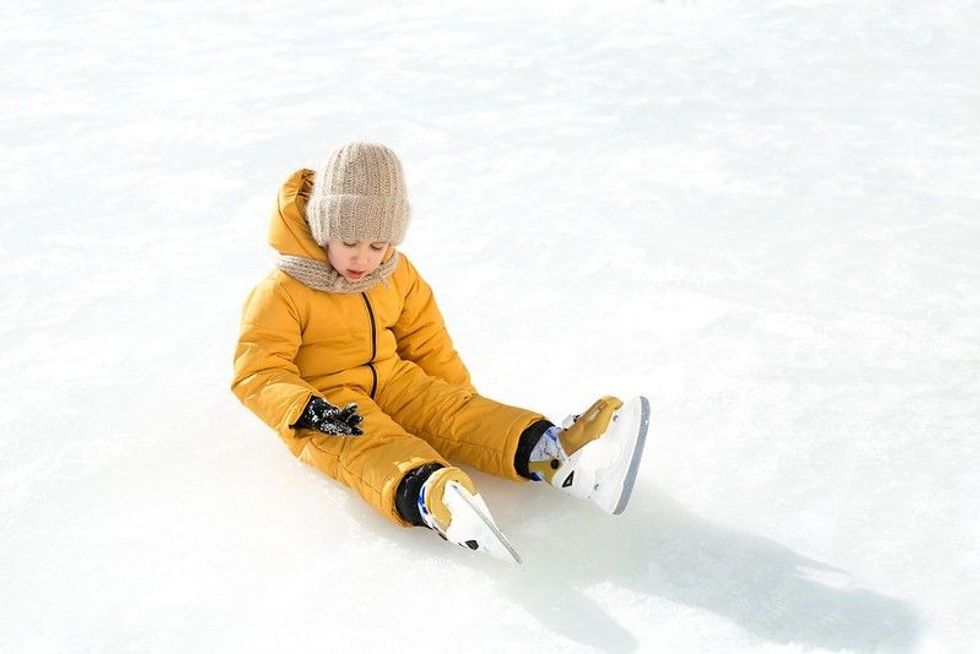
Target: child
{"points": [[346, 321]]}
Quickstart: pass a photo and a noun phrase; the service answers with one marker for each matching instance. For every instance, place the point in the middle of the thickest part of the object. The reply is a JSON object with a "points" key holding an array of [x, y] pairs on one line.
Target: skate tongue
{"points": [[473, 527], [614, 483]]}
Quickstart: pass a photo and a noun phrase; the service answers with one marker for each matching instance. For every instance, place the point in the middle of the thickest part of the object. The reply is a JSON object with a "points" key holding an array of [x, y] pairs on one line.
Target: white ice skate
{"points": [[600, 452], [450, 504]]}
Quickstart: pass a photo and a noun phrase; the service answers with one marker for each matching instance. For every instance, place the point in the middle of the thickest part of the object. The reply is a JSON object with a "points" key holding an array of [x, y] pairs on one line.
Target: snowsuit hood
{"points": [[288, 232]]}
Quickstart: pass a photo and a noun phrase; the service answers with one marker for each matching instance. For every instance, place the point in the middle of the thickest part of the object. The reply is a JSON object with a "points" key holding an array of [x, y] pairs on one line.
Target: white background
{"points": [[764, 215]]}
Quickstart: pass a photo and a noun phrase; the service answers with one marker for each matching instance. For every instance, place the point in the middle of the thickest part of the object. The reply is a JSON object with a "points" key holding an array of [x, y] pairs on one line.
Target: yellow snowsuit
{"points": [[387, 349]]}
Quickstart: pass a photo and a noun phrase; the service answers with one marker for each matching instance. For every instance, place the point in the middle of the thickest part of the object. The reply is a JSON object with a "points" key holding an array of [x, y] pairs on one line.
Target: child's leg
{"points": [[596, 457], [462, 426], [374, 463]]}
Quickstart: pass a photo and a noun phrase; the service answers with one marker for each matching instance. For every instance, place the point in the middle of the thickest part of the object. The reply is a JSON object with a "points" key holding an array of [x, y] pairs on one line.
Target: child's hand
{"points": [[350, 417], [323, 416]]}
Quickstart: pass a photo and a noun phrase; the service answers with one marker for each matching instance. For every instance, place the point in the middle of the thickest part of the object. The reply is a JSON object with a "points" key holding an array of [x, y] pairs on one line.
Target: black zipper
{"points": [[374, 347]]}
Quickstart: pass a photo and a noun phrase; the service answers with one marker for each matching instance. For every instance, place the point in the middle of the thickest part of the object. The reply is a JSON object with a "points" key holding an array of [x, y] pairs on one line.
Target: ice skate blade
{"points": [[481, 532]]}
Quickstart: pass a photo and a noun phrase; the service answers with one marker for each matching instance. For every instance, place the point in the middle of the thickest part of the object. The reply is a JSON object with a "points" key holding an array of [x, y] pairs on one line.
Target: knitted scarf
{"points": [[321, 276]]}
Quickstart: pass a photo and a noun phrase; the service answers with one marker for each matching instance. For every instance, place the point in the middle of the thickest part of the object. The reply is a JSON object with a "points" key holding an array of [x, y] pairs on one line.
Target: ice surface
{"points": [[764, 215]]}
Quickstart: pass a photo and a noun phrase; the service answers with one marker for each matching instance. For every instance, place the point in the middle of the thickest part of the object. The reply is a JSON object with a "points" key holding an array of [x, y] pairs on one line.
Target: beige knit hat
{"points": [[359, 195]]}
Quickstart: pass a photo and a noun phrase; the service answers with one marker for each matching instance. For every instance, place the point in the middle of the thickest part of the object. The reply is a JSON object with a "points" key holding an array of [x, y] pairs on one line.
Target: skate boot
{"points": [[450, 505], [596, 455]]}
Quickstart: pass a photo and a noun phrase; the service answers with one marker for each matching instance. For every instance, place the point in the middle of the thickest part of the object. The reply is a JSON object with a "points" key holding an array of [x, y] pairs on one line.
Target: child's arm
{"points": [[267, 380], [422, 335]]}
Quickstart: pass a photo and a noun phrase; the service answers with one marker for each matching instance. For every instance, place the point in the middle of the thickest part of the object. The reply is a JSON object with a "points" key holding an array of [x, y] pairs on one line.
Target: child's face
{"points": [[355, 260]]}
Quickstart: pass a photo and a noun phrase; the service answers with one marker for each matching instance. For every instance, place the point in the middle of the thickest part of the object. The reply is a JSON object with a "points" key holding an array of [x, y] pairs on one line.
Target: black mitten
{"points": [[323, 416]]}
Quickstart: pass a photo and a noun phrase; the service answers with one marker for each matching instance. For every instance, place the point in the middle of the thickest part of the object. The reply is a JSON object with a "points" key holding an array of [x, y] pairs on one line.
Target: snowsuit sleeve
{"points": [[266, 379], [422, 335]]}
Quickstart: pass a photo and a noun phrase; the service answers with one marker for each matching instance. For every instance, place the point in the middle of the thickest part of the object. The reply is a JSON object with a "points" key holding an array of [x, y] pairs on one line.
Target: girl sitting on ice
{"points": [[346, 321]]}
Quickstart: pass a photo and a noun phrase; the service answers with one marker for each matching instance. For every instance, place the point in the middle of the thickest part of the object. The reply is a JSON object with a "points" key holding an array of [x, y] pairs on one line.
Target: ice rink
{"points": [[764, 215]]}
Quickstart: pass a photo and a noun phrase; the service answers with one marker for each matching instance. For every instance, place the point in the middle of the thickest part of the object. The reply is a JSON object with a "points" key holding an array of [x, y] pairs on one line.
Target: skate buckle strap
{"points": [[590, 426]]}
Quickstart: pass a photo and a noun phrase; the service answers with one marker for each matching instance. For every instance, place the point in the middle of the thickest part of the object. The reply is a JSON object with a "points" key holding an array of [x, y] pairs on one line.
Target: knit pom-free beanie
{"points": [[359, 195]]}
